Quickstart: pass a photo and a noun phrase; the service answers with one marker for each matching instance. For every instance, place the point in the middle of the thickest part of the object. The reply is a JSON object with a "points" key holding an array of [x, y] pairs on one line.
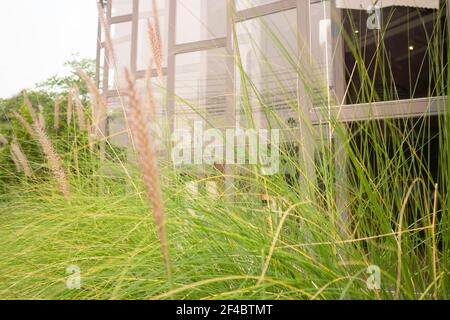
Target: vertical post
{"points": [[230, 114], [98, 53], [170, 125], [106, 65], [305, 104], [340, 131], [134, 36], [104, 122]]}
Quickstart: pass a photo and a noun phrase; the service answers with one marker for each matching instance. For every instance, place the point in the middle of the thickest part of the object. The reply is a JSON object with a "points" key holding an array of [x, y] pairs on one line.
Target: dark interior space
{"points": [[403, 60], [412, 146]]}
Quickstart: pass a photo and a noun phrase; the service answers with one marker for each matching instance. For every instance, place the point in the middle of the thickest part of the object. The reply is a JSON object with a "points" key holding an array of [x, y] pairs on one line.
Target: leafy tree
{"points": [[58, 84]]}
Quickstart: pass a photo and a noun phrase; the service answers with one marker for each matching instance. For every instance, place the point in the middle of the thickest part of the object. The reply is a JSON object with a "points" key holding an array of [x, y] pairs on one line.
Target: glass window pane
{"points": [[121, 7], [117, 128], [403, 49], [101, 68], [144, 51], [268, 49], [158, 91], [200, 87], [200, 20], [320, 71], [121, 40]]}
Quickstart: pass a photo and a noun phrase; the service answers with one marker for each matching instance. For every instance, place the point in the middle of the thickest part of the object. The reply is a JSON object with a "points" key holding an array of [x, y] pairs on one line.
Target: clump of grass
{"points": [[309, 235]]}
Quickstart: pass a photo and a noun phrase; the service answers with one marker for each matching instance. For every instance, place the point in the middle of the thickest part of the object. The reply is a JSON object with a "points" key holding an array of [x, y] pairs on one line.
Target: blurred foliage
{"points": [[69, 140]]}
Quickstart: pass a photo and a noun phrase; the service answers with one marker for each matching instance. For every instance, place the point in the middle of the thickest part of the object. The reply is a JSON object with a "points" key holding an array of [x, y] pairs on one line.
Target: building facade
{"points": [[298, 56]]}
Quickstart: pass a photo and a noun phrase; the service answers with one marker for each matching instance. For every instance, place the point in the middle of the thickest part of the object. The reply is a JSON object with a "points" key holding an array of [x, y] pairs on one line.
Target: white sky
{"points": [[38, 36]]}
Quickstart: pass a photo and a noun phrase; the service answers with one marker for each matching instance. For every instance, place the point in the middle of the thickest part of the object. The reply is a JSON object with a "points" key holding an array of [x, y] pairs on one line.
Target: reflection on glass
{"points": [[200, 87], [320, 71], [268, 48], [121, 41], [246, 4], [117, 129], [200, 20], [158, 91], [101, 68]]}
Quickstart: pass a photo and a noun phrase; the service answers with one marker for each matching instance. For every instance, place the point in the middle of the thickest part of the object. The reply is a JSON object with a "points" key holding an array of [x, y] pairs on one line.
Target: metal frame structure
{"points": [[345, 113]]}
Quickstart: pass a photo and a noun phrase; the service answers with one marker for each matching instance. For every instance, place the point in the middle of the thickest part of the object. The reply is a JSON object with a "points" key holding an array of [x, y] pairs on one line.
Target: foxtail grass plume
{"points": [[53, 159], [3, 140], [41, 116], [148, 163], [56, 113], [155, 39], [30, 108], [79, 110], [82, 123], [20, 159], [25, 124], [16, 162]]}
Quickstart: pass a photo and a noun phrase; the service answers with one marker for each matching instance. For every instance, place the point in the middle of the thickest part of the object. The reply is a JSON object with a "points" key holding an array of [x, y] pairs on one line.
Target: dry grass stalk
{"points": [[3, 140], [20, 159], [155, 39], [99, 107], [30, 108], [98, 104], [148, 163], [16, 162], [56, 113], [91, 141], [83, 124], [80, 110], [41, 116], [93, 92], [25, 124], [69, 106]]}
